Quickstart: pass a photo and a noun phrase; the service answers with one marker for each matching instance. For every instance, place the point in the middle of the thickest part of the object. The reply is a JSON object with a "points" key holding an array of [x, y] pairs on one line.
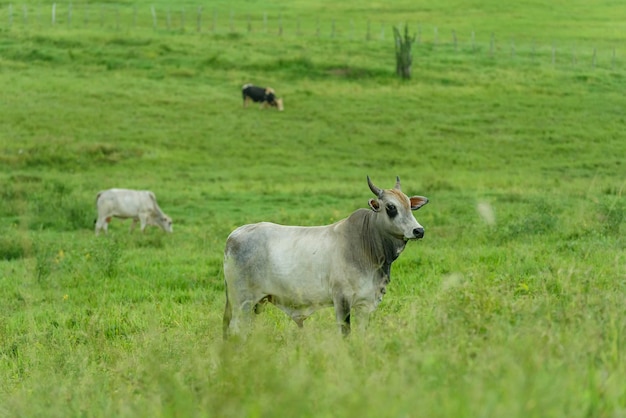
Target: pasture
{"points": [[512, 305]]}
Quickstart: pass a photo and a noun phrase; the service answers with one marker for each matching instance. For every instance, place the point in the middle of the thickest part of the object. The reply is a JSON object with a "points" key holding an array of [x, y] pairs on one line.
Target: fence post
{"points": [[593, 61], [25, 10], [613, 58], [154, 17], [199, 20]]}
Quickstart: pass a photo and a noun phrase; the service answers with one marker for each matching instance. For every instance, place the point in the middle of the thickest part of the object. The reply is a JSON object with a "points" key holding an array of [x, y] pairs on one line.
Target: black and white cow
{"points": [[346, 265], [265, 95]]}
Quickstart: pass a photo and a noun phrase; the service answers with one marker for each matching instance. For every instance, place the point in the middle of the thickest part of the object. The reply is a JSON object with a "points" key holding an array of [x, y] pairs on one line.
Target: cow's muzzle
{"points": [[418, 233]]}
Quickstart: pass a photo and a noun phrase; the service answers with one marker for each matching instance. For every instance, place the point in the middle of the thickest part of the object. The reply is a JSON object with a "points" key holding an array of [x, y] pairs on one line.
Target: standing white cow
{"points": [[138, 205], [302, 269]]}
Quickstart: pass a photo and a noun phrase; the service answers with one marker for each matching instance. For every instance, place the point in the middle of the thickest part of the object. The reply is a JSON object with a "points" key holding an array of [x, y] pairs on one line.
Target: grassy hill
{"points": [[512, 305]]}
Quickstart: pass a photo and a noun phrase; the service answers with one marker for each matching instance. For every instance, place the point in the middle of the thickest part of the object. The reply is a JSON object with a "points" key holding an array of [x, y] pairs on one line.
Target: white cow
{"points": [[138, 205], [302, 269]]}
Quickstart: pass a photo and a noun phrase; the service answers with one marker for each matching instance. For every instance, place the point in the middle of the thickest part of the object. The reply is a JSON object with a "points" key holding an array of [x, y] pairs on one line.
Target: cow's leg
{"points": [[132, 225], [342, 313], [228, 314], [241, 318], [361, 318], [143, 221], [98, 225], [246, 99]]}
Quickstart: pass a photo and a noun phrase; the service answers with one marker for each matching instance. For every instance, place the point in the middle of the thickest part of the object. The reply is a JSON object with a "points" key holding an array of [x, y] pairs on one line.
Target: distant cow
{"points": [[265, 95], [138, 205], [302, 269]]}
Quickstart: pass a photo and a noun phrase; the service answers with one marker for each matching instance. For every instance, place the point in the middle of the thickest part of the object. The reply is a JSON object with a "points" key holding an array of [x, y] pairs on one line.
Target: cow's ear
{"points": [[417, 202], [374, 204]]}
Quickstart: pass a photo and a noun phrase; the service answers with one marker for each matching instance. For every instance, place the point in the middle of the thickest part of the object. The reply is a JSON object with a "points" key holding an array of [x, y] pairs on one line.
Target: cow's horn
{"points": [[378, 192], [397, 186]]}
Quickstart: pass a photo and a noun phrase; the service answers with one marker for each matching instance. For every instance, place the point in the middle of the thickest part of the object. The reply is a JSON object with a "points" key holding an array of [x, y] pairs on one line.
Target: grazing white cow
{"points": [[138, 205], [302, 269]]}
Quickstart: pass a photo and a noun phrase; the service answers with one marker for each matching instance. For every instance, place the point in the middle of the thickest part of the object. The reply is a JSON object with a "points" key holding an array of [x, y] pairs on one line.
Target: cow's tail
{"points": [[228, 314]]}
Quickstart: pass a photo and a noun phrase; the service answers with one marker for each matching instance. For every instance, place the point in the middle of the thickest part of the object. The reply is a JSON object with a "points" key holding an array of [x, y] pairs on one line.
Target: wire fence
{"points": [[198, 20]]}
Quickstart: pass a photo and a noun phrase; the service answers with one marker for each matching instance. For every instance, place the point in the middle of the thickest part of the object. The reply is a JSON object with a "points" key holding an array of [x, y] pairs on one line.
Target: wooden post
{"points": [[593, 61], [613, 58], [404, 57], [154, 17]]}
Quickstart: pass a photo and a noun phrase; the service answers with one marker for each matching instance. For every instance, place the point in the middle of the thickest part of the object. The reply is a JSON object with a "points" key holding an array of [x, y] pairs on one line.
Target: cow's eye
{"points": [[392, 211]]}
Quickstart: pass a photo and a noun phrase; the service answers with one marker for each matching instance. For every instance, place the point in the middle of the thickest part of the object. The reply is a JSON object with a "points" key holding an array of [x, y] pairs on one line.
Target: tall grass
{"points": [[512, 305]]}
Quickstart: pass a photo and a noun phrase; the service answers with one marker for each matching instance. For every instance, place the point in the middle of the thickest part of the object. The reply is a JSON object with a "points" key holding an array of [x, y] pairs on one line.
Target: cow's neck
{"points": [[378, 248]]}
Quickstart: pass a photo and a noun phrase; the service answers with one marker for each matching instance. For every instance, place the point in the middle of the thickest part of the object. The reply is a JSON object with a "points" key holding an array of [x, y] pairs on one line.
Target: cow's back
{"points": [[296, 265], [125, 202]]}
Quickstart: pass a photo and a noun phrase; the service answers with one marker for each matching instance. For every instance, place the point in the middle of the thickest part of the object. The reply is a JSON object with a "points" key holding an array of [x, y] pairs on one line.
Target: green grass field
{"points": [[513, 305]]}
